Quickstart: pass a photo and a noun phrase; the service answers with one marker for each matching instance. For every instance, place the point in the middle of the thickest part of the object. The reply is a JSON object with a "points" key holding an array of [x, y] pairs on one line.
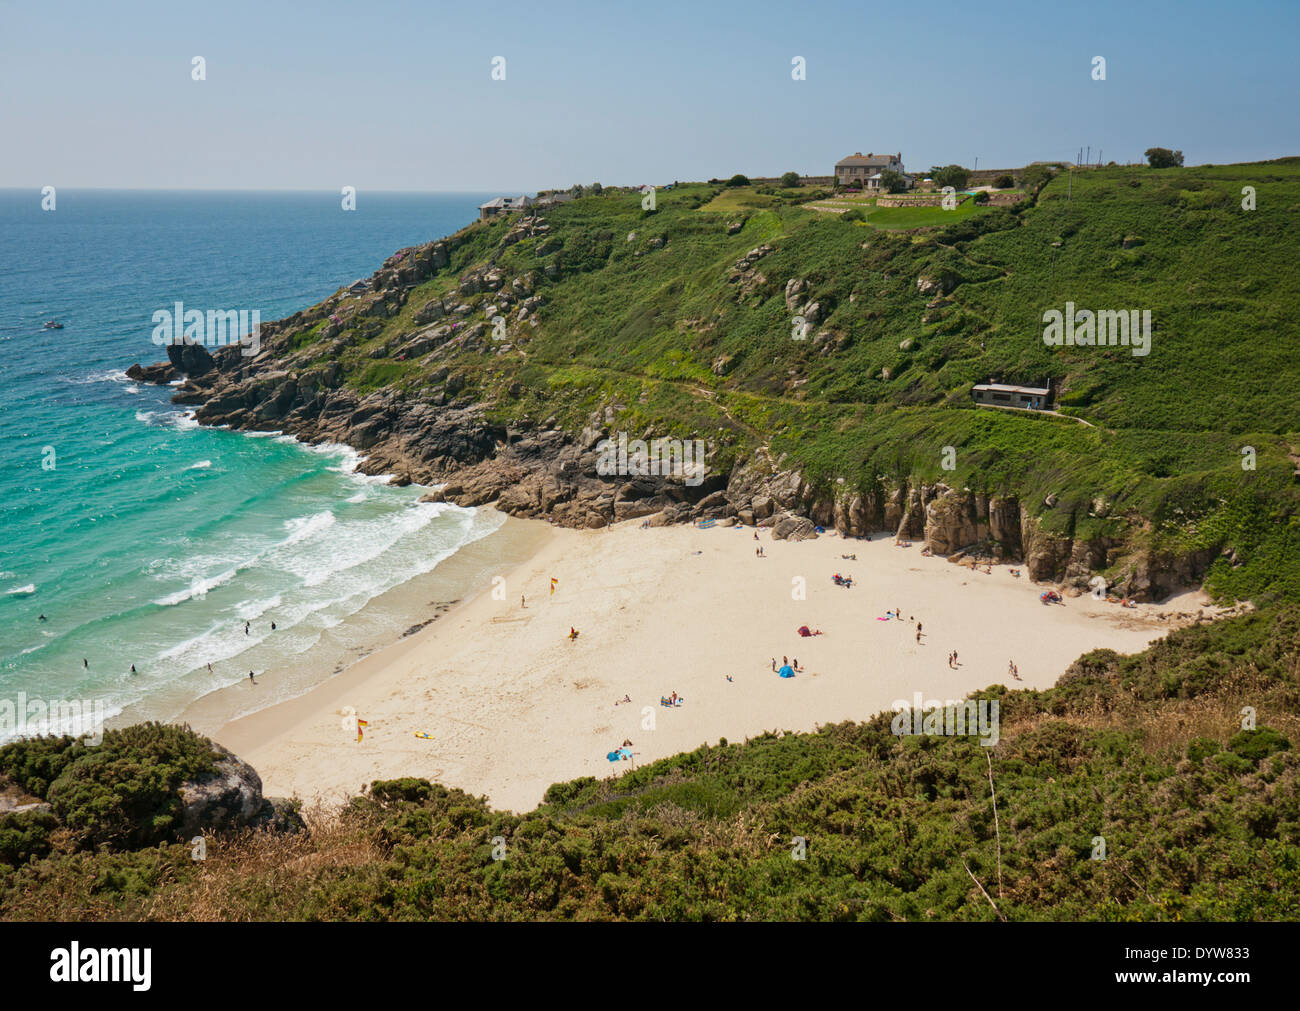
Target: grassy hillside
{"points": [[1200, 820], [657, 315]]}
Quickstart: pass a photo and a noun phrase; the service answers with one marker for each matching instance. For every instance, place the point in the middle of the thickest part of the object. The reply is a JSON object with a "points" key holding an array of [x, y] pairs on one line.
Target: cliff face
{"points": [[442, 437], [529, 470]]}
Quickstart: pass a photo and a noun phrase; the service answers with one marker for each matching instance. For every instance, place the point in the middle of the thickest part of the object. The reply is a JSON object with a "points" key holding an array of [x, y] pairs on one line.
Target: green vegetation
{"points": [[1142, 755], [950, 175], [882, 384], [1162, 157], [122, 793], [892, 182]]}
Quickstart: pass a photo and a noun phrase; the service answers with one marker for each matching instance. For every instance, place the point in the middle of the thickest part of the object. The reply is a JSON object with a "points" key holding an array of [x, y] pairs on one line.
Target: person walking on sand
{"points": [[955, 663], [522, 603], [918, 637], [245, 628], [773, 663], [250, 677]]}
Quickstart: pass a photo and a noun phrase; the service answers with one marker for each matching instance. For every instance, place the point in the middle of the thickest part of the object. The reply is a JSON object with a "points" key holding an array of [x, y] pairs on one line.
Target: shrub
{"points": [[392, 791], [853, 215], [1255, 745], [982, 197], [789, 179], [892, 182], [1162, 157], [950, 175], [125, 792], [738, 180], [1003, 182], [25, 835]]}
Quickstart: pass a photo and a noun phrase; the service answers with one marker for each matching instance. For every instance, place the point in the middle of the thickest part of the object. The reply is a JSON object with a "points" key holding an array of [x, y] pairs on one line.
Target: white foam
{"points": [[30, 588], [198, 587], [302, 527], [201, 465], [181, 420]]}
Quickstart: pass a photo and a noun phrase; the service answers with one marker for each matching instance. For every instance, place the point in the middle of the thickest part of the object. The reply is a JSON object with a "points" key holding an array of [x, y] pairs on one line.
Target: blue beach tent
{"points": [[786, 672]]}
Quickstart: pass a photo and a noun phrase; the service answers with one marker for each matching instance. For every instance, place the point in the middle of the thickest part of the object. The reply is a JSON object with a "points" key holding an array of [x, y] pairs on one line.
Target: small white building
{"points": [[503, 205], [1030, 398]]}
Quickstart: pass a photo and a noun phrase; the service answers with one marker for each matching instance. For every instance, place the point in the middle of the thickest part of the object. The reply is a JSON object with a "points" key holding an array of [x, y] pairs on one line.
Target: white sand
{"points": [[514, 706]]}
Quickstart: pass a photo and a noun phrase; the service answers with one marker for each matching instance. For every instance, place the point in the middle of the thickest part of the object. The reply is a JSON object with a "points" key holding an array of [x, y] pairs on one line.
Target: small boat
{"points": [[52, 324]]}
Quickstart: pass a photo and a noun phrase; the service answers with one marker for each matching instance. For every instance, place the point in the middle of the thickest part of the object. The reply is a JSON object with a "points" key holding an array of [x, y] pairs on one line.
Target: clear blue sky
{"points": [[395, 96]]}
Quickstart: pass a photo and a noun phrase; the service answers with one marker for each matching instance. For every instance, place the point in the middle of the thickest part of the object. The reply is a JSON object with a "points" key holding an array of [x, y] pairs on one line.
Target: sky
{"points": [[400, 96]]}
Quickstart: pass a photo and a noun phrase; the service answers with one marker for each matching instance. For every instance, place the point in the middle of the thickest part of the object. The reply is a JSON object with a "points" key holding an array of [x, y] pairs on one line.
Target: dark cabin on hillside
{"points": [[1029, 398]]}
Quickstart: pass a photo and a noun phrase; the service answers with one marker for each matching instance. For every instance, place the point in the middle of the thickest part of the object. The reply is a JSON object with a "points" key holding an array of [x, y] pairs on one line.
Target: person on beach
{"points": [[918, 637], [918, 628], [785, 661], [955, 662], [85, 663], [209, 668], [521, 601], [132, 668], [245, 628], [272, 626], [250, 677], [573, 632], [773, 663], [795, 665], [42, 618]]}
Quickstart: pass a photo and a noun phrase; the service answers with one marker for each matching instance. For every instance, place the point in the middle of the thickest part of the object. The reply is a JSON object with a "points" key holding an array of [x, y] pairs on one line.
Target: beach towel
{"points": [[614, 756], [885, 618], [804, 631], [786, 672]]}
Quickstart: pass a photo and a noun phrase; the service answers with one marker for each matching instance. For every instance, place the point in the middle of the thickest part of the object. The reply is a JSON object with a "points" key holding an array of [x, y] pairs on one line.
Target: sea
{"points": [[130, 536]]}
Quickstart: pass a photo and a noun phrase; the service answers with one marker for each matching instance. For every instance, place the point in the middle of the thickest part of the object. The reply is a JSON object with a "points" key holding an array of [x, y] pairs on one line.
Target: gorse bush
{"points": [[122, 792], [1201, 821]]}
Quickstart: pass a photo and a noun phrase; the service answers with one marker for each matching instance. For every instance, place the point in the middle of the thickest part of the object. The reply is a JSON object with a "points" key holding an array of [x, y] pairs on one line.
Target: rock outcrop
{"points": [[231, 798]]}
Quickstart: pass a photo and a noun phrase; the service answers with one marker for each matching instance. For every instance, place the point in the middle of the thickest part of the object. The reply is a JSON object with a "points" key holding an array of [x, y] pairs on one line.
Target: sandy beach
{"points": [[513, 705]]}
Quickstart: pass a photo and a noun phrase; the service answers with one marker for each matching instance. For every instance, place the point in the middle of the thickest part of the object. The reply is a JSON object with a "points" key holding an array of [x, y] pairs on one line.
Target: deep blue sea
{"points": [[142, 538]]}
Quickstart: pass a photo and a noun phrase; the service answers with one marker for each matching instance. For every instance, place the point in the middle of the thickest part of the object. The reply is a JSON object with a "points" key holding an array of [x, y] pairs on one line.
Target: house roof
{"points": [[504, 202], [1033, 391], [870, 159]]}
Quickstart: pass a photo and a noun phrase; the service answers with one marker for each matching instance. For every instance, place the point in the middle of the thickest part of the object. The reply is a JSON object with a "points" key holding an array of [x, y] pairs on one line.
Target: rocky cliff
{"points": [[443, 438]]}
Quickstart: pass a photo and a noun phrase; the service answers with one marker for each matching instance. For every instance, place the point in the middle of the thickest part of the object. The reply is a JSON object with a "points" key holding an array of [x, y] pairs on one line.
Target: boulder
{"points": [[231, 798]]}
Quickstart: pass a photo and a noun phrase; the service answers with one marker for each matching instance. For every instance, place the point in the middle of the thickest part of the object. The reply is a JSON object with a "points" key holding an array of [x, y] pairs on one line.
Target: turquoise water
{"points": [[141, 537]]}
